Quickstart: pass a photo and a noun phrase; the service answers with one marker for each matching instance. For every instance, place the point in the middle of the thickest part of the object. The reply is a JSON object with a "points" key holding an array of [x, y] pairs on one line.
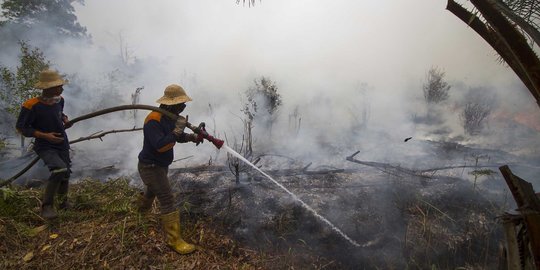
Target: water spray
{"points": [[305, 205]]}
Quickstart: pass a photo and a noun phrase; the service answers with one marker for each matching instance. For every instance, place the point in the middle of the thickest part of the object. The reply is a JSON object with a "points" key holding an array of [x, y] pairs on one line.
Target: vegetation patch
{"points": [[103, 230]]}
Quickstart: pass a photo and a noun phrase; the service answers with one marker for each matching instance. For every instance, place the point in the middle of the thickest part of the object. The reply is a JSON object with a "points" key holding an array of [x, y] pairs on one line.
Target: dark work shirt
{"points": [[36, 115], [159, 140]]}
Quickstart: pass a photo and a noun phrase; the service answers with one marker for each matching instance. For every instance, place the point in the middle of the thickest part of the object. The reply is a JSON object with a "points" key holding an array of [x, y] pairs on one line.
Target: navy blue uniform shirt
{"points": [[159, 140], [36, 115]]}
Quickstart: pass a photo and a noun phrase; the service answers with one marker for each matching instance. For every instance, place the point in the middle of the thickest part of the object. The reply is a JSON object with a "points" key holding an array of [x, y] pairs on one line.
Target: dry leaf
{"points": [[45, 247], [53, 236], [28, 256]]}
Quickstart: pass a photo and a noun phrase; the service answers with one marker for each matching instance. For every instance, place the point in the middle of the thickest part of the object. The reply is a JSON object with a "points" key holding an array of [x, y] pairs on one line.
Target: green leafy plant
{"points": [[18, 84]]}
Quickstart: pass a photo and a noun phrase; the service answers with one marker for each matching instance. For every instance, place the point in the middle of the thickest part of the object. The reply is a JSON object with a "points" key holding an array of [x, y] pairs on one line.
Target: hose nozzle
{"points": [[215, 141], [201, 129]]}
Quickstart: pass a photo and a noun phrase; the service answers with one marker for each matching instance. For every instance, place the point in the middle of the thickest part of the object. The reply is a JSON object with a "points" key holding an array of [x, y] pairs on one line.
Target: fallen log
{"points": [[387, 168], [277, 172]]}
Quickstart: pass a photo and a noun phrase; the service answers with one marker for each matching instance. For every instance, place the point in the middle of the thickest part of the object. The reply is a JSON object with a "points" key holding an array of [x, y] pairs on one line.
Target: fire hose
{"points": [[201, 130]]}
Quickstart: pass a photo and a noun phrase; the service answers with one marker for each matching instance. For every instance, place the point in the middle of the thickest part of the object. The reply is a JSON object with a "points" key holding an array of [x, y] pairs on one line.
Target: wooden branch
{"points": [[385, 167], [182, 158], [512, 247], [307, 166], [528, 205], [199, 169], [100, 135], [459, 167], [279, 172], [17, 175], [522, 190]]}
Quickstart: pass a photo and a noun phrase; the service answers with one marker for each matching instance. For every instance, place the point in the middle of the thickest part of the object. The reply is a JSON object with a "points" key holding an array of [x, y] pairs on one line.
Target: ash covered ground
{"points": [[445, 218], [416, 213]]}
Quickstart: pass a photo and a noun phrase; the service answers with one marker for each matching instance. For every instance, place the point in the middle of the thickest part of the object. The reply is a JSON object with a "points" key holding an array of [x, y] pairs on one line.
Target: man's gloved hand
{"points": [[180, 125], [197, 138]]}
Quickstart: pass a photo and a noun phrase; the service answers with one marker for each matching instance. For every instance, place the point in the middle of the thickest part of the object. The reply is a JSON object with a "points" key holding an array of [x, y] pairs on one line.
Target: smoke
{"points": [[350, 75]]}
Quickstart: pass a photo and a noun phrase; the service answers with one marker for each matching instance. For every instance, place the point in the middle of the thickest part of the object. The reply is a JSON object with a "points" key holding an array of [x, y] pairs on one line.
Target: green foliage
{"points": [[59, 14], [113, 197], [18, 85], [18, 203]]}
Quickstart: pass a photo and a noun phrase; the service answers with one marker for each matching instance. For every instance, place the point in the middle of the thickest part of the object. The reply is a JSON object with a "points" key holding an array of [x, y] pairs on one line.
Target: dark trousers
{"points": [[157, 185], [59, 165]]}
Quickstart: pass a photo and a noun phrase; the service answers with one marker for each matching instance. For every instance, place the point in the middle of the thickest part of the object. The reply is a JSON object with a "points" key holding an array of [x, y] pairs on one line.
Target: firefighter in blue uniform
{"points": [[160, 136], [43, 118]]}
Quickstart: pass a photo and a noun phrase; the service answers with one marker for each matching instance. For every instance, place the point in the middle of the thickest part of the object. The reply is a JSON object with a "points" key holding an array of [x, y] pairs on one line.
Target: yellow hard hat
{"points": [[49, 78], [174, 94]]}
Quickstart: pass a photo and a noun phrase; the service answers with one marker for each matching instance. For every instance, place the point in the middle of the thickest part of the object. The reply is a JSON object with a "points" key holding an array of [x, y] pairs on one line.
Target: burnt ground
{"points": [[399, 221], [443, 219]]}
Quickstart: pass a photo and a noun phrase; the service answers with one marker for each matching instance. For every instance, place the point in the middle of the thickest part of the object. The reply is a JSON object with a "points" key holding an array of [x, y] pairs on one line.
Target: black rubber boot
{"points": [[47, 206], [50, 191], [62, 195], [47, 212]]}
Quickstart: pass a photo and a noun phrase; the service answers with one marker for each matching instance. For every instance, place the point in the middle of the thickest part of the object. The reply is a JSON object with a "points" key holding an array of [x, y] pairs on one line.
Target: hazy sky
{"points": [[317, 45]]}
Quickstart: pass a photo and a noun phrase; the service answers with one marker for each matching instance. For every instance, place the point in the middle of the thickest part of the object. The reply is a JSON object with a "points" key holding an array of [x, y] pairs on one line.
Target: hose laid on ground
{"points": [[92, 115]]}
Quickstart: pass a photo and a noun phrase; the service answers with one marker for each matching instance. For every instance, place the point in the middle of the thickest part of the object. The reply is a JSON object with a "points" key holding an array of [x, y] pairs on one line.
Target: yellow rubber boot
{"points": [[171, 225]]}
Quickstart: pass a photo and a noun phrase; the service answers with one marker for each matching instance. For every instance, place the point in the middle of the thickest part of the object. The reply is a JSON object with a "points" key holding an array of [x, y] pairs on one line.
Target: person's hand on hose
{"points": [[66, 122], [53, 137], [180, 125]]}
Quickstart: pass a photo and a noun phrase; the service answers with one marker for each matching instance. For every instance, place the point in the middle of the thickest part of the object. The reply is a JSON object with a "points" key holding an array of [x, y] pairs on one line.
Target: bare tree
{"points": [[250, 2], [126, 54], [236, 166], [436, 89], [249, 109], [135, 100], [360, 111], [295, 121], [476, 109], [262, 104], [473, 116]]}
